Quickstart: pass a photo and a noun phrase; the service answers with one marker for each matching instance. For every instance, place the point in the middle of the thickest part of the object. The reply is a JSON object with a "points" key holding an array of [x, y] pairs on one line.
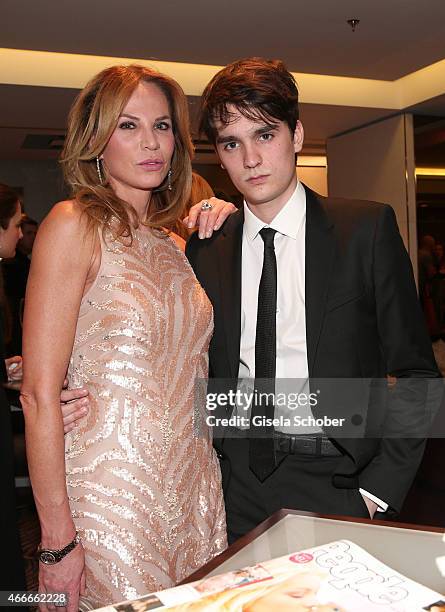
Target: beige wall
{"points": [[376, 162], [315, 178]]}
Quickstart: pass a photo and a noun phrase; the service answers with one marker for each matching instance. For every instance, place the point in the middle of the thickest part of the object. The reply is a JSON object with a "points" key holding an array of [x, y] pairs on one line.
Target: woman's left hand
{"points": [[14, 368], [210, 220]]}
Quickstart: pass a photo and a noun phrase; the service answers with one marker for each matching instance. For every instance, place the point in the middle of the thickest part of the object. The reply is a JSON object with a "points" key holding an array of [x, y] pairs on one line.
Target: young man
{"points": [[303, 287]]}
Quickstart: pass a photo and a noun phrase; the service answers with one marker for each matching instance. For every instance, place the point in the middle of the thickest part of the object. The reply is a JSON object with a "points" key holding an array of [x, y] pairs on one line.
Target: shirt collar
{"points": [[287, 222]]}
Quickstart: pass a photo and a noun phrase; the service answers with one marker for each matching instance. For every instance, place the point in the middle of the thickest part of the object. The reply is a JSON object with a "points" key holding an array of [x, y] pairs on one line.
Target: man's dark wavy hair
{"points": [[259, 89]]}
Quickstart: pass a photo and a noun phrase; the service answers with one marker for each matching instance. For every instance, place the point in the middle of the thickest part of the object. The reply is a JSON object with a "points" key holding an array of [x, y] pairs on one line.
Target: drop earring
{"points": [[169, 179], [99, 172]]}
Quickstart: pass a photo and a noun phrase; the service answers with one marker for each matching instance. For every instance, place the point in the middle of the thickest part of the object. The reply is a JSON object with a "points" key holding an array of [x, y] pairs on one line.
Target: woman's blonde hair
{"points": [[92, 120], [244, 597]]}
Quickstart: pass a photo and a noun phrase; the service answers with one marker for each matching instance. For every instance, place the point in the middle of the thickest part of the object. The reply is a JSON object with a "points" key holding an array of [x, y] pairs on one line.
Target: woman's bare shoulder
{"points": [[66, 218], [64, 212], [66, 230]]}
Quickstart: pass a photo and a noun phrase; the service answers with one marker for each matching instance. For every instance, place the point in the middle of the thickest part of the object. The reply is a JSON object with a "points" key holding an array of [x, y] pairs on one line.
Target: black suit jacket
{"points": [[363, 320]]}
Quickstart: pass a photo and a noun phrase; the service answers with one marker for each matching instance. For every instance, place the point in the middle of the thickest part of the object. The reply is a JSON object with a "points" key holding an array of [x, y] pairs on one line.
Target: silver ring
{"points": [[206, 205]]}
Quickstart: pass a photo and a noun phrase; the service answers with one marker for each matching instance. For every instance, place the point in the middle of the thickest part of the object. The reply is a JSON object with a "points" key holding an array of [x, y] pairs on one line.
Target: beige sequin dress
{"points": [[144, 486]]}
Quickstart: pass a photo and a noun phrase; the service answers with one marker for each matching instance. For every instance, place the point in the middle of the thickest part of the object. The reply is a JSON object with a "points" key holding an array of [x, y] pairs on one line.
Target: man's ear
{"points": [[219, 159], [298, 137]]}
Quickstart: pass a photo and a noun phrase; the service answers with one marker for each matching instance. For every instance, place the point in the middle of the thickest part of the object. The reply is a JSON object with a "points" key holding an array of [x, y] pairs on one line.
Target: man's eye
{"points": [[127, 125], [266, 137], [163, 125], [230, 146]]}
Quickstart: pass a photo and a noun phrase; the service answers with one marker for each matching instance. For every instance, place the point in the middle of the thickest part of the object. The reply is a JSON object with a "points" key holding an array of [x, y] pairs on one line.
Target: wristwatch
{"points": [[50, 557]]}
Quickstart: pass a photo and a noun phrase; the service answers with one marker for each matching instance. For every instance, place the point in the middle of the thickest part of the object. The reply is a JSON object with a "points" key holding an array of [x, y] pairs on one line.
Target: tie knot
{"points": [[268, 235]]}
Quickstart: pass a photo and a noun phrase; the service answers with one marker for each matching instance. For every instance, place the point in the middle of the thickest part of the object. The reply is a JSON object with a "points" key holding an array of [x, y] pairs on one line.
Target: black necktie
{"points": [[261, 448]]}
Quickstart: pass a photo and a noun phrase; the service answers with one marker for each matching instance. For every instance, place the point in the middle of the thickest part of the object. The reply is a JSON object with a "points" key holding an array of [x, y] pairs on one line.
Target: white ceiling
{"points": [[393, 39]]}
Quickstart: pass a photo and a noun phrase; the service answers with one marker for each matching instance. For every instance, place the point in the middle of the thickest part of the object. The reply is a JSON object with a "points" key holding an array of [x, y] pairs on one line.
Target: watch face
{"points": [[47, 557]]}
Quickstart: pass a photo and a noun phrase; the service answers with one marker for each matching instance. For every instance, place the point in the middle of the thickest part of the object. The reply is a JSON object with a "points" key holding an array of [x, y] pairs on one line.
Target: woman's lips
{"points": [[151, 165]]}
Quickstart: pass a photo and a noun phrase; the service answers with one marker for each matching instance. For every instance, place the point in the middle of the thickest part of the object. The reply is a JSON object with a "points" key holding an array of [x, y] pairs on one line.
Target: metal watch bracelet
{"points": [[50, 557]]}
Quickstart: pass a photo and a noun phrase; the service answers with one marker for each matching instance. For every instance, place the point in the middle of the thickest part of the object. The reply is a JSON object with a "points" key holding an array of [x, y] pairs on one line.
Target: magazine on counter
{"points": [[335, 577]]}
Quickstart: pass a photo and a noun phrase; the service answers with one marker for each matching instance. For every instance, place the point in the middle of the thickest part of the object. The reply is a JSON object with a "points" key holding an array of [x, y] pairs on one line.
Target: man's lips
{"points": [[257, 179]]}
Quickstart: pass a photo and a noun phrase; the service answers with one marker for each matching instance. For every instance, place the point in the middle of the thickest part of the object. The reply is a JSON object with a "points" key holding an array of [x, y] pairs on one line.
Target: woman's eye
{"points": [[163, 125], [127, 125]]}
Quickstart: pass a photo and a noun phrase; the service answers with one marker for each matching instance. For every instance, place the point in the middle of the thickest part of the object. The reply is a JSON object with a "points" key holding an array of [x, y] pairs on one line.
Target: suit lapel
{"points": [[318, 265], [229, 261]]}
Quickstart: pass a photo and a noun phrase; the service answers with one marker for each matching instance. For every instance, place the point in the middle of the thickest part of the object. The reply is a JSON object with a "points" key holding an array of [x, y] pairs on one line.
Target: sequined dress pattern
{"points": [[144, 487]]}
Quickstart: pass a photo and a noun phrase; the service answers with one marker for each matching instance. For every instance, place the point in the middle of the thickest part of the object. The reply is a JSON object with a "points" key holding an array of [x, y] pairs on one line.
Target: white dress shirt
{"points": [[291, 362], [291, 351]]}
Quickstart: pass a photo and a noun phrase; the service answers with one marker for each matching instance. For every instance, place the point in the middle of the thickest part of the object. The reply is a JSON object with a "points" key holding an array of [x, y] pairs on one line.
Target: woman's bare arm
{"points": [[61, 267]]}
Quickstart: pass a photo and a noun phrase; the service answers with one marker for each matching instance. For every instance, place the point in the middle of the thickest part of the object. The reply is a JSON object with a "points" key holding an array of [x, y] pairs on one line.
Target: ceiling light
{"points": [[430, 171], [353, 23]]}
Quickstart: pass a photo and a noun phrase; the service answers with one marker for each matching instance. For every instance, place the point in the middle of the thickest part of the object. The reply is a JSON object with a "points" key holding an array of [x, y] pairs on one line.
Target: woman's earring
{"points": [[169, 179], [99, 172]]}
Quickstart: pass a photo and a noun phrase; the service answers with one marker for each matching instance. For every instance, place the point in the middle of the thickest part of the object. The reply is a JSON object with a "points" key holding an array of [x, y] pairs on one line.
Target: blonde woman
{"points": [[299, 592], [131, 501]]}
